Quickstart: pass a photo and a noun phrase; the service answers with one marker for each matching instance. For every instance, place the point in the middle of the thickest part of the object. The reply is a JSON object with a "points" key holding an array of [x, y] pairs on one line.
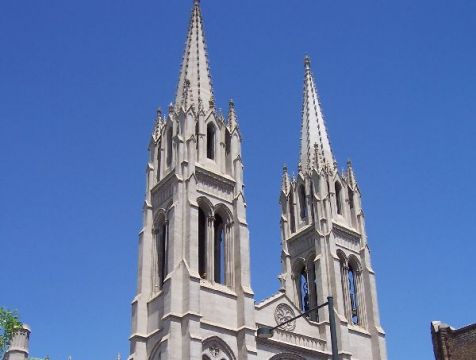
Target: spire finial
{"points": [[232, 117], [307, 62], [285, 180]]}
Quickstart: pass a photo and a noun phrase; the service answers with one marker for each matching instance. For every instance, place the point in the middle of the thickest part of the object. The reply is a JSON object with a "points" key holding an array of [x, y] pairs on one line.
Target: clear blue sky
{"points": [[79, 85]]}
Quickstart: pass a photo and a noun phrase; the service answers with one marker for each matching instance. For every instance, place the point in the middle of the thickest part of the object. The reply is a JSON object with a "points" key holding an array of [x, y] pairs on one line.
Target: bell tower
{"points": [[194, 298], [324, 245]]}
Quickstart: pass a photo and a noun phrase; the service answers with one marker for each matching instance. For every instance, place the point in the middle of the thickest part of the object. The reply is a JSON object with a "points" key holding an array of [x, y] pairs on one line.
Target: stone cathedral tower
{"points": [[194, 298], [193, 277], [324, 245]]}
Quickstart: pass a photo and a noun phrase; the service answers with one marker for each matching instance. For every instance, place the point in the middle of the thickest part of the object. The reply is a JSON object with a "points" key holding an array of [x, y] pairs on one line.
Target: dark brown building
{"points": [[454, 344]]}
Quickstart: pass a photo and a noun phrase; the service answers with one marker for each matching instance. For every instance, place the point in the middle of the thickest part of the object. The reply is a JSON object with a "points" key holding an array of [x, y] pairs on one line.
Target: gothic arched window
{"points": [[211, 141], [202, 243], [303, 290], [228, 150], [351, 198], [302, 202], [338, 197], [354, 306], [311, 275], [291, 212], [219, 253], [313, 215], [169, 145], [216, 348], [197, 130], [159, 159], [162, 247]]}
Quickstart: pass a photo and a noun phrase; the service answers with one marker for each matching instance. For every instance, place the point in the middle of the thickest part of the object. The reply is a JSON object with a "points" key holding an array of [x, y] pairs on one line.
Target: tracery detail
{"points": [[283, 313]]}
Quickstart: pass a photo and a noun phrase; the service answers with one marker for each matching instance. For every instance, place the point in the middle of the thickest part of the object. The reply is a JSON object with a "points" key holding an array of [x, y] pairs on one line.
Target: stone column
{"points": [[361, 300], [346, 292], [155, 260], [229, 258], [210, 248]]}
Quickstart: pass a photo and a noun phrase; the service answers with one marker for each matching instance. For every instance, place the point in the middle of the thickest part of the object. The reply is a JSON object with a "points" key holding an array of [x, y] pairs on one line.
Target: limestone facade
{"points": [[194, 298]]}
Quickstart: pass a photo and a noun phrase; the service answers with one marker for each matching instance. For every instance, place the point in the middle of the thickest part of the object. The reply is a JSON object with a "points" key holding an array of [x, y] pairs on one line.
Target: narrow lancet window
{"points": [[227, 143], [302, 202], [351, 198], [303, 291], [159, 159], [197, 130], [211, 141], [228, 151], [163, 253], [202, 244], [353, 296], [311, 275], [338, 197], [313, 215], [169, 146], [291, 213], [219, 254]]}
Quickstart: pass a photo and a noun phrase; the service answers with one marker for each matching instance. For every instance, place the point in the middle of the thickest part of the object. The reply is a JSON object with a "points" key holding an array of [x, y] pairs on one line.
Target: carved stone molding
{"points": [[283, 313], [347, 239]]}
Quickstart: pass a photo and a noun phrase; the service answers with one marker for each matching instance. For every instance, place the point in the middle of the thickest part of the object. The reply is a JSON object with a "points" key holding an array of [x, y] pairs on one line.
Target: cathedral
{"points": [[194, 297]]}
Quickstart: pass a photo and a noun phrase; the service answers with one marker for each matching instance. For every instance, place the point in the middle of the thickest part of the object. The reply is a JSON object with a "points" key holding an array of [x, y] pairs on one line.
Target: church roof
{"points": [[315, 146], [195, 83]]}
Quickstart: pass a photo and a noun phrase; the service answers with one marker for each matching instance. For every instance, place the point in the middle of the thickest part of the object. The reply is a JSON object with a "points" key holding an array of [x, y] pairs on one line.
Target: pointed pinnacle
{"points": [[307, 62]]}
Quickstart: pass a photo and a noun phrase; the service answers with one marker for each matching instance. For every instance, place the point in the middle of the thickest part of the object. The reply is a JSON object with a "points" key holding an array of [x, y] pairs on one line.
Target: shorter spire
{"points": [[350, 175], [232, 118], [158, 124], [285, 180]]}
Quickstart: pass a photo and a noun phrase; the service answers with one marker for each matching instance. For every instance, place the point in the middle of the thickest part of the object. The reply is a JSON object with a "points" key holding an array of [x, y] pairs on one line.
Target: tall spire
{"points": [[195, 83], [314, 139]]}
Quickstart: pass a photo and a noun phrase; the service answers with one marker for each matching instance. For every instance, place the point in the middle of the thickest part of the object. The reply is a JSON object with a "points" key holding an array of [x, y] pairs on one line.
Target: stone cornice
{"points": [[302, 344], [163, 181], [303, 231], [225, 179], [218, 289], [345, 230]]}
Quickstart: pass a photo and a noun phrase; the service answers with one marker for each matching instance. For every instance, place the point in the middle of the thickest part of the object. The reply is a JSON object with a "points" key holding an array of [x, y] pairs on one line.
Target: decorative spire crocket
{"points": [[315, 145], [195, 85]]}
